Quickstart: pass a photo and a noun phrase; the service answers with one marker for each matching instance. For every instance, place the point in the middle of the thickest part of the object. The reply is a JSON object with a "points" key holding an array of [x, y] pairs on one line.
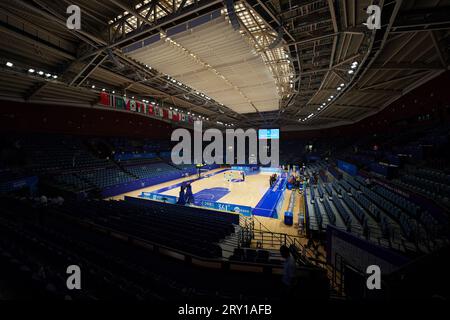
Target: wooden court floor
{"points": [[247, 193]]}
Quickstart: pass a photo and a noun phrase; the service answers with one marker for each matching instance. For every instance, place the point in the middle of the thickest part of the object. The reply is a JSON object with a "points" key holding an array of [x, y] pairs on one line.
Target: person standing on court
{"points": [[182, 196], [189, 195]]}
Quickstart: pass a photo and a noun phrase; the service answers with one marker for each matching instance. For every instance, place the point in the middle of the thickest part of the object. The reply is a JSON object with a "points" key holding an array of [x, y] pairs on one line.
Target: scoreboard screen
{"points": [[269, 133]]}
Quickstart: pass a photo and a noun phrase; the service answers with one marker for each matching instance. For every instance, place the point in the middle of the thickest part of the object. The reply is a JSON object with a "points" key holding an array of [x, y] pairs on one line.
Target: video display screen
{"points": [[269, 133]]}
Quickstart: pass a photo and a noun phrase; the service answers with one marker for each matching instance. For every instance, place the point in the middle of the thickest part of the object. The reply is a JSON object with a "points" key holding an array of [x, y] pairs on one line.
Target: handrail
{"points": [[261, 224], [265, 236], [305, 254]]}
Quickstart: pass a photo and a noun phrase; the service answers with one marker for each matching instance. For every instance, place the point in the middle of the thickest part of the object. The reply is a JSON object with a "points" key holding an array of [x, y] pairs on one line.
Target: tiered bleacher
{"points": [[83, 165], [373, 212], [72, 182], [347, 219], [103, 178], [430, 183], [38, 240], [51, 153], [151, 170], [183, 228], [329, 212]]}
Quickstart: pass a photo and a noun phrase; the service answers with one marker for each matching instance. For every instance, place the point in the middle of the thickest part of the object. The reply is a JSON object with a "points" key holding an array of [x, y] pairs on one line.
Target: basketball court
{"points": [[226, 186]]}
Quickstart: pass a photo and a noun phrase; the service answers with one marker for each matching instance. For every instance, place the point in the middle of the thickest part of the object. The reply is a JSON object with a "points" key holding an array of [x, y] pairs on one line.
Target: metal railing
{"points": [[253, 231]]}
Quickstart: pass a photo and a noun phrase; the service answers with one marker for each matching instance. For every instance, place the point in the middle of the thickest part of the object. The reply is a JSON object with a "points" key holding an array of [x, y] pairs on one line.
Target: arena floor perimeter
{"points": [[247, 193]]}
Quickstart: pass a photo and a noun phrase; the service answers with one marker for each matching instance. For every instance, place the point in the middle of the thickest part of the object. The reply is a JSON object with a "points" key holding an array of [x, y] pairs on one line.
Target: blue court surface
{"points": [[211, 194], [266, 207], [177, 185]]}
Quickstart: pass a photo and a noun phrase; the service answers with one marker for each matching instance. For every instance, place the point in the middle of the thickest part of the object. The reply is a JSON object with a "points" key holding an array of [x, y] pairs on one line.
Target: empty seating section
{"points": [[124, 145], [354, 207], [186, 167], [378, 214], [151, 170], [53, 153], [328, 189], [103, 178], [35, 255], [346, 218], [335, 172], [353, 183], [138, 161], [315, 168], [8, 175], [360, 180], [72, 182], [43, 254], [78, 164], [368, 205], [183, 228], [336, 187], [410, 208], [394, 212], [329, 212], [312, 193], [318, 215], [34, 275], [403, 203], [252, 255], [320, 190], [428, 187], [345, 185], [433, 175], [385, 228]]}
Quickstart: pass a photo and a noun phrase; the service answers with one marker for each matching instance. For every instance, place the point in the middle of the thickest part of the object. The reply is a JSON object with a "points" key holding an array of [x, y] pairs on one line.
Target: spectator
{"points": [[181, 197], [289, 269], [189, 196]]}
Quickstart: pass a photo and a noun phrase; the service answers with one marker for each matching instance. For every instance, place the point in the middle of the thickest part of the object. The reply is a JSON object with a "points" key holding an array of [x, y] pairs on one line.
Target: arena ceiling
{"points": [[310, 63]]}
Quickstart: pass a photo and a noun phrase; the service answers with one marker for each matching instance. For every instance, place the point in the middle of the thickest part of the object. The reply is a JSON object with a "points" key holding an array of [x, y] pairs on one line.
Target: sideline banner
{"points": [[159, 197], [235, 208]]}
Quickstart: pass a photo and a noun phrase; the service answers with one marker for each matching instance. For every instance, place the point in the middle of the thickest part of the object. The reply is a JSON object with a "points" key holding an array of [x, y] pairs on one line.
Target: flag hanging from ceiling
{"points": [[159, 112], [125, 103], [139, 106], [105, 99], [131, 104], [117, 102]]}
